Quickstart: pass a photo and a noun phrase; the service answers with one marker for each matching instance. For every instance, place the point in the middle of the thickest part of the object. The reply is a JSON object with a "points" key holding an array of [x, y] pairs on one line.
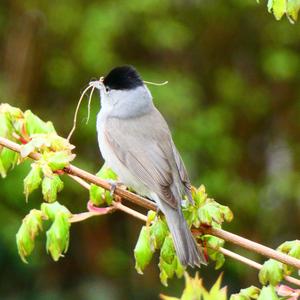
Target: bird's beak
{"points": [[98, 84]]}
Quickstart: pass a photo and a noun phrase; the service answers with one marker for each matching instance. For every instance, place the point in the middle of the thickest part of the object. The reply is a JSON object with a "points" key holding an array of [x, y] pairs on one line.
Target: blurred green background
{"points": [[232, 102]]}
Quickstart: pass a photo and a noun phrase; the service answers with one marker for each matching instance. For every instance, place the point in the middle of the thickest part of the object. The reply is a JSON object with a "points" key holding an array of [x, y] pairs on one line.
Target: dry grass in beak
{"points": [[92, 85]]}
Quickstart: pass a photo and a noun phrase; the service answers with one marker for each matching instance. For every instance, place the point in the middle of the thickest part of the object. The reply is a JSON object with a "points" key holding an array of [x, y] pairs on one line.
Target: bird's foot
{"points": [[114, 184]]}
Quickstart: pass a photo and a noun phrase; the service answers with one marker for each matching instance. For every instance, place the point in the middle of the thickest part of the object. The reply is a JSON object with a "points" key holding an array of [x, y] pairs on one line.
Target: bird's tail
{"points": [[187, 250]]}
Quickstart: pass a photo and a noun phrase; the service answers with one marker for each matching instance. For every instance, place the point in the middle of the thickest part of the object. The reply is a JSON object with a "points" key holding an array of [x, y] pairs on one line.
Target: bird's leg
{"points": [[114, 184]]}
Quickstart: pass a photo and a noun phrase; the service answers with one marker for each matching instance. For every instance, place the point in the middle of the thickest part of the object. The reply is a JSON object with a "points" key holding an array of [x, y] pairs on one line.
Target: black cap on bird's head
{"points": [[123, 78]]}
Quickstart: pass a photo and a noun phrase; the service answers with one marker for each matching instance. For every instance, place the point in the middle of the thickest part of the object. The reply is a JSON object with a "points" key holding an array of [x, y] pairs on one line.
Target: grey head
{"points": [[123, 93]]}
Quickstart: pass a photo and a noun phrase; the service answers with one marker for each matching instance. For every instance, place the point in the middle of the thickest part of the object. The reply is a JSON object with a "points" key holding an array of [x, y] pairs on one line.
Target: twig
{"points": [[124, 194], [253, 246], [253, 264]]}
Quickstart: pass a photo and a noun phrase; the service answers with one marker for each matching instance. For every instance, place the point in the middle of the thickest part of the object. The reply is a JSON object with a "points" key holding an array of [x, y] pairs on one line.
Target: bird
{"points": [[136, 143]]}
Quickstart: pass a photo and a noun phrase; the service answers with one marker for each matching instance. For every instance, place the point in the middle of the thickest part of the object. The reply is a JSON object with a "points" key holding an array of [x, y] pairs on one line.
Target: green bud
{"points": [[251, 292], [98, 195], [220, 260], [58, 160], [6, 128], [268, 293], [163, 276], [167, 270], [226, 213], [51, 186], [151, 215], [271, 272], [58, 236], [30, 228], [291, 248], [204, 215], [239, 297], [158, 232], [180, 269], [107, 173], [142, 251], [35, 125], [199, 195], [2, 170], [58, 143], [50, 210], [167, 252], [8, 158], [194, 289], [213, 213], [33, 180], [11, 119], [216, 292], [213, 245]]}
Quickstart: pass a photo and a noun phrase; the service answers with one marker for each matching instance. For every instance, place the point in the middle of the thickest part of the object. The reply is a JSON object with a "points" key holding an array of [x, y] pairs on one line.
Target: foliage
{"points": [[290, 8], [194, 290], [273, 271], [156, 236]]}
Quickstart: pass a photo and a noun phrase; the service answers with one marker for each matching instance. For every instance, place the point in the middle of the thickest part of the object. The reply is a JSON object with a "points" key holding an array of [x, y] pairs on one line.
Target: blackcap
{"points": [[136, 143]]}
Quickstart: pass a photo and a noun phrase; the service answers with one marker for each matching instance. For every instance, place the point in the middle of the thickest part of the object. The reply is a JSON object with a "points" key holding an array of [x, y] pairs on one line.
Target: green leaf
{"points": [[271, 272], [268, 293], [50, 210], [58, 235], [199, 195], [291, 248], [97, 195], [30, 228], [279, 8], [216, 292], [35, 125], [51, 186], [212, 213], [180, 269], [293, 7], [193, 288], [8, 159], [167, 270], [58, 160], [212, 244], [167, 251], [168, 261], [142, 251], [158, 231], [6, 128], [251, 292], [33, 180]]}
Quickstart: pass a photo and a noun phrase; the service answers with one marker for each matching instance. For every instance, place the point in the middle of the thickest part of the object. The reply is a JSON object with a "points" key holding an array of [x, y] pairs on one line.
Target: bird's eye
{"points": [[107, 89]]}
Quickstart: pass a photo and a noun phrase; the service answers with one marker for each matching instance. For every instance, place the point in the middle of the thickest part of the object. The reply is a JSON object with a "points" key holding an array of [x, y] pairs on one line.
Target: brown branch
{"points": [[124, 194], [253, 264], [252, 246]]}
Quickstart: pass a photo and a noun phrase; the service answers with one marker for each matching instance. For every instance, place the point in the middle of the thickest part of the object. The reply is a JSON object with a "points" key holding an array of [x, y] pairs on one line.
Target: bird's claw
{"points": [[114, 184]]}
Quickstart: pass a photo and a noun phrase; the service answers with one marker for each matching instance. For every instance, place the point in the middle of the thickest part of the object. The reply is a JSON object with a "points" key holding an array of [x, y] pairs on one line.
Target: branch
{"points": [[253, 264], [81, 176]]}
